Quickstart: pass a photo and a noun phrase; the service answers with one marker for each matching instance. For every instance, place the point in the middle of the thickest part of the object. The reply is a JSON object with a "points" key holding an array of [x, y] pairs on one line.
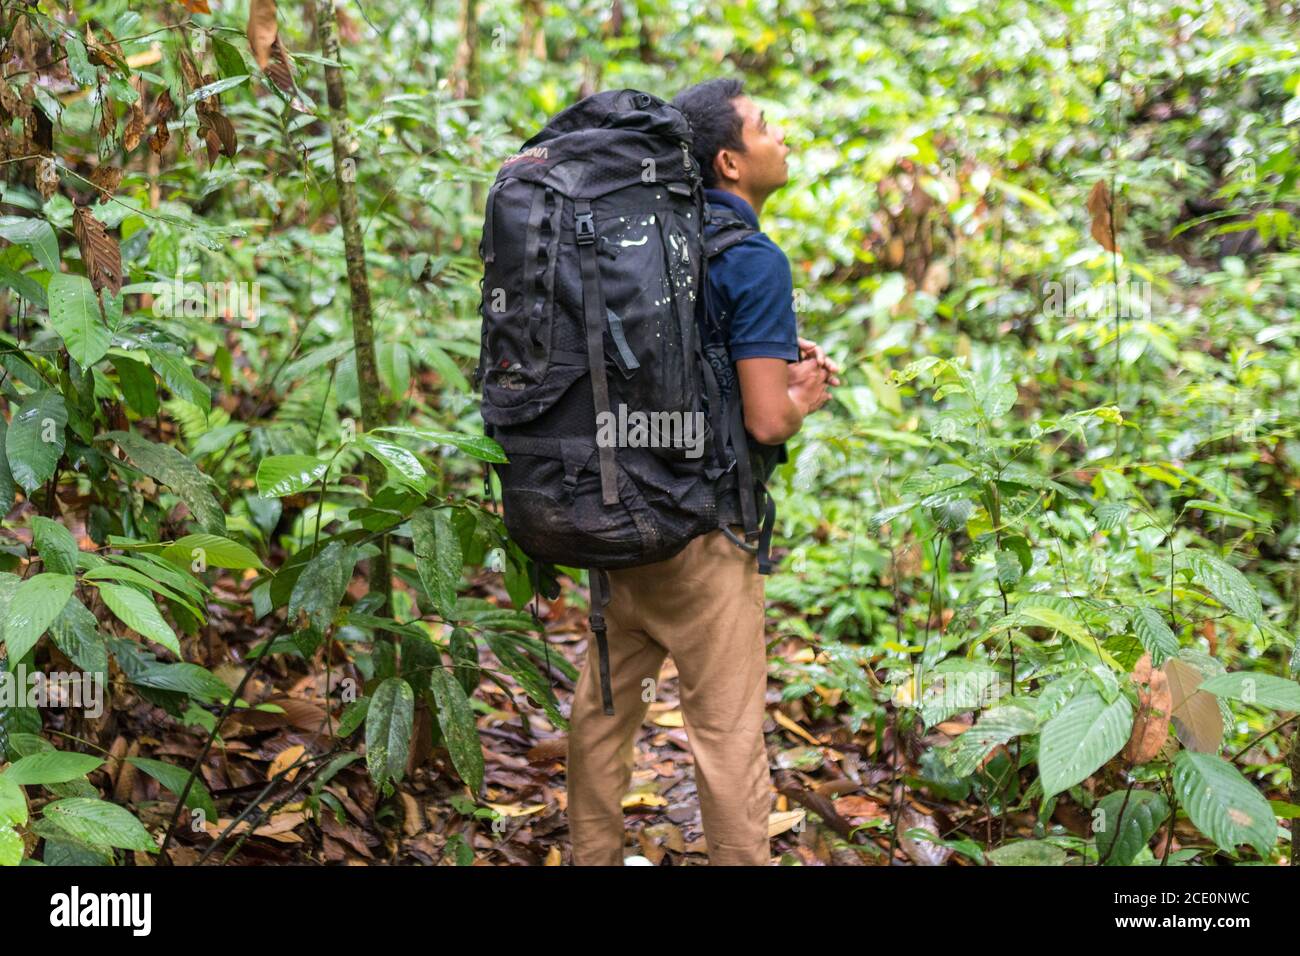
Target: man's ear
{"points": [[724, 164]]}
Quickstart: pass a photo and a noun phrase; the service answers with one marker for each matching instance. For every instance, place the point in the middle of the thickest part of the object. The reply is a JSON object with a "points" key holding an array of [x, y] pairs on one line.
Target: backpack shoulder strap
{"points": [[724, 229]]}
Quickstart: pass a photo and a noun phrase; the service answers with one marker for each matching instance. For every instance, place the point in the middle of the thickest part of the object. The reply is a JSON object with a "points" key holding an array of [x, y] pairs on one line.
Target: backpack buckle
{"points": [[585, 228]]}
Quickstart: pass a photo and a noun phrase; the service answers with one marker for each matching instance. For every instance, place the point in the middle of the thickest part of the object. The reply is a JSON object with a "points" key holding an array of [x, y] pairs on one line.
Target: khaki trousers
{"points": [[705, 607]]}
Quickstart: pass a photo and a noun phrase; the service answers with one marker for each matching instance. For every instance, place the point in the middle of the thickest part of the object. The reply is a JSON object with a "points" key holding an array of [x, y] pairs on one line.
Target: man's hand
{"points": [[809, 349], [809, 385]]}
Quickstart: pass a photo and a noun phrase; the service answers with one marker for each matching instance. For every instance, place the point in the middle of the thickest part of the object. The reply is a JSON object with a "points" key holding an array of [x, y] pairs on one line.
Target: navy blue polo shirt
{"points": [[751, 295]]}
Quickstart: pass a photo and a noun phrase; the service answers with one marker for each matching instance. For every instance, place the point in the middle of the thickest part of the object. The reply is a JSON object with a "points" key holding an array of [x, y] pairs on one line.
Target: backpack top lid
{"points": [[629, 110]]}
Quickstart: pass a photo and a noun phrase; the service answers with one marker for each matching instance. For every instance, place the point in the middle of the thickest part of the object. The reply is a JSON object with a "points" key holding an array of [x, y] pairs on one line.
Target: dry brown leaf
{"points": [[106, 180], [135, 127], [553, 856], [196, 6], [107, 115], [262, 30], [158, 141], [1196, 716], [163, 107], [794, 728], [780, 822], [279, 69], [920, 851], [47, 176], [1105, 216], [1155, 705], [99, 251], [220, 124], [284, 760], [670, 718]]}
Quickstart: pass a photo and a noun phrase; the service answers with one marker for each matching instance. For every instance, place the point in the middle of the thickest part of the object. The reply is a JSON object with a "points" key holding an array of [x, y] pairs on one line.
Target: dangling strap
{"points": [[744, 473], [599, 601], [593, 313]]}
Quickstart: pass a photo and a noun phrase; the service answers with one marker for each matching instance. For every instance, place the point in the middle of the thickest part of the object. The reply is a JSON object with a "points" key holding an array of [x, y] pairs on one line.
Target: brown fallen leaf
{"points": [[196, 6], [794, 728], [920, 851], [780, 822], [1155, 705], [1106, 218], [99, 251], [262, 30], [284, 760], [1197, 720]]}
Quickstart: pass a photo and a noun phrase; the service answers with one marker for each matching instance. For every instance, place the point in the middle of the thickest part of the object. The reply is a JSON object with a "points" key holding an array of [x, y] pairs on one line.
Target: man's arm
{"points": [[778, 395]]}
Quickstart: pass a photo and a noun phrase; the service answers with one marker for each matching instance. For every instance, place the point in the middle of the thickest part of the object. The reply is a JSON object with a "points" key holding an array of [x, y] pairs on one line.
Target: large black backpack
{"points": [[594, 381]]}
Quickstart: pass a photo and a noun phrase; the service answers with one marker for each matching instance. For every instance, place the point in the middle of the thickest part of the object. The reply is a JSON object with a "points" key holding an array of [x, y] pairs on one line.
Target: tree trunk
{"points": [[363, 335]]}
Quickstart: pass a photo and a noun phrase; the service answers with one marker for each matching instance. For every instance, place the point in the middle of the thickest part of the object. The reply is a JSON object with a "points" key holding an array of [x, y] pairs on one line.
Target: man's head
{"points": [[736, 148]]}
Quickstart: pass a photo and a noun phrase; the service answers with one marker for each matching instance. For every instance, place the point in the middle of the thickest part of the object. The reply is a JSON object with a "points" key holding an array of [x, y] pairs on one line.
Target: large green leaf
{"points": [[8, 488], [168, 466], [11, 846], [995, 727], [137, 383], [1256, 689], [56, 545], [34, 235], [75, 315], [388, 730], [179, 378], [137, 610], [320, 588], [1082, 736], [32, 609], [280, 475], [1226, 583], [1028, 853], [100, 823], [1222, 803], [51, 766], [1142, 816], [476, 446], [211, 550], [456, 718], [437, 556], [35, 439], [399, 461], [76, 633], [1154, 634]]}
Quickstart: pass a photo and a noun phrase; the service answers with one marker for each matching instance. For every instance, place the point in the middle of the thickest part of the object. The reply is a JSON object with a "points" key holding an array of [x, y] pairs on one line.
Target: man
{"points": [[705, 605]]}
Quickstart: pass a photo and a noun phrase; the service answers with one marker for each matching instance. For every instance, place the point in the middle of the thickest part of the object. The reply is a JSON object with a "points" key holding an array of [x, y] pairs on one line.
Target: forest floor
{"points": [[266, 760]]}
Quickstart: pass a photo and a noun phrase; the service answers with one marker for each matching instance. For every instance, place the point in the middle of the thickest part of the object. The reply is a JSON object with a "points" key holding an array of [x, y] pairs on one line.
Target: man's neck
{"points": [[755, 201]]}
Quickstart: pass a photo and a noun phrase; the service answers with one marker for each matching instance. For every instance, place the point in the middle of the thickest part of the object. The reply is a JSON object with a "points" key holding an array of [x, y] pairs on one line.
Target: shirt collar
{"points": [[732, 201]]}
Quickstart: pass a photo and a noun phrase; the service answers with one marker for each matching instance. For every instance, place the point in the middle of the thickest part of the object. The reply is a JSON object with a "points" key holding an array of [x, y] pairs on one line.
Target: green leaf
{"points": [[13, 802], [35, 439], [437, 556], [229, 60], [174, 778], [1226, 583], [1154, 634], [1028, 853], [213, 551], [464, 654], [8, 489], [56, 545], [1258, 690], [100, 823], [320, 588], [179, 378], [1143, 815], [995, 727], [138, 386], [1008, 568], [11, 846], [51, 766], [76, 633], [138, 611], [34, 606], [938, 478], [400, 462], [1222, 803], [1214, 507], [168, 466], [75, 315], [388, 730], [1081, 737], [354, 715], [1061, 621], [36, 236], [280, 475], [476, 446], [456, 718]]}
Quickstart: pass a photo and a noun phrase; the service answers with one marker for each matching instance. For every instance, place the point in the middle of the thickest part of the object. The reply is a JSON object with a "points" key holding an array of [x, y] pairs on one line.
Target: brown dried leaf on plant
{"points": [[1155, 705], [99, 251]]}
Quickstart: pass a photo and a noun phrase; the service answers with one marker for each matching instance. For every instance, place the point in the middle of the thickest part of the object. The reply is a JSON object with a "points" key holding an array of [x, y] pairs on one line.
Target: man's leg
{"points": [[710, 617], [602, 748]]}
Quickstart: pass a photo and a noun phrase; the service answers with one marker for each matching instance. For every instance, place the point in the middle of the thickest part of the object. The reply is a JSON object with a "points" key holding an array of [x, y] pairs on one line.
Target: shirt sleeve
{"points": [[760, 293]]}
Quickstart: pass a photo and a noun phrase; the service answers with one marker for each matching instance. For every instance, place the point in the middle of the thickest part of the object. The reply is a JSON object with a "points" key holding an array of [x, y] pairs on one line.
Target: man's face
{"points": [[761, 168]]}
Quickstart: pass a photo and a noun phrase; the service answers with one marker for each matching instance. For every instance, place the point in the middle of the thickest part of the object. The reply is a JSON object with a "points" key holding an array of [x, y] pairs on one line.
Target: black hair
{"points": [[715, 124]]}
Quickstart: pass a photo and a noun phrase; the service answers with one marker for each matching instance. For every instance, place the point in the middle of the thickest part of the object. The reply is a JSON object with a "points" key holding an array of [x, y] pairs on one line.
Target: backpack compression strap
{"points": [[599, 601], [593, 316]]}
